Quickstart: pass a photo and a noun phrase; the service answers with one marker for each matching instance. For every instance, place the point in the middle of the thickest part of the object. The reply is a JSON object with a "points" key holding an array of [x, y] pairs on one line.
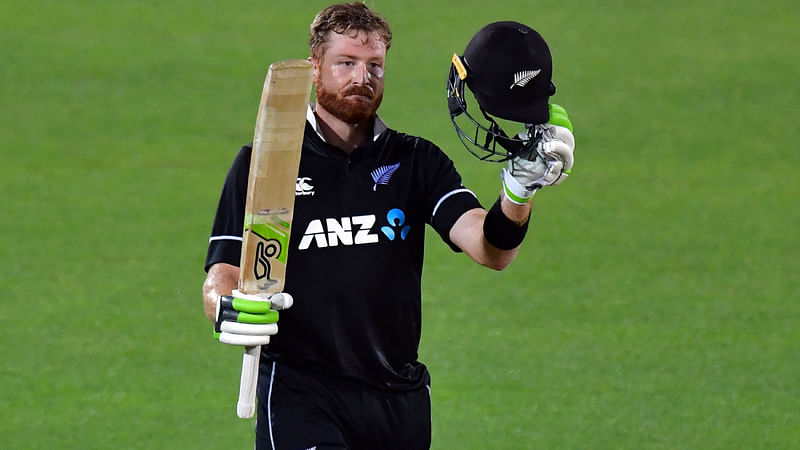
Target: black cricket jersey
{"points": [[355, 254]]}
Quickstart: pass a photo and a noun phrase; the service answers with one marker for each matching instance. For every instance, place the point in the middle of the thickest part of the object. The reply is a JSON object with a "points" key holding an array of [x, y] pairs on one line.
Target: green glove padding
{"points": [[558, 116], [248, 320]]}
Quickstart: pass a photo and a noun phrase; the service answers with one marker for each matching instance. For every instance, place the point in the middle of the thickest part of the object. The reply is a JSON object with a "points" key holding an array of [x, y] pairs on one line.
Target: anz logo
{"points": [[355, 230]]}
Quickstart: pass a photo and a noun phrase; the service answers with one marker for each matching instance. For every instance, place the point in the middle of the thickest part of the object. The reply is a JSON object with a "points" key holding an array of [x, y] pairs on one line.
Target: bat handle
{"points": [[247, 386]]}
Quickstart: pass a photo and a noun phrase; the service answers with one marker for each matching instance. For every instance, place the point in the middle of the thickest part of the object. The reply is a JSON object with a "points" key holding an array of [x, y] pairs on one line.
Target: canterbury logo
{"points": [[303, 187], [524, 77]]}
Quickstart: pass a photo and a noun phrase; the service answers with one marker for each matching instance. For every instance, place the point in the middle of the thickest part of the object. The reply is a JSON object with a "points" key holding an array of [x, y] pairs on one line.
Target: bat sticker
{"points": [[265, 251]]}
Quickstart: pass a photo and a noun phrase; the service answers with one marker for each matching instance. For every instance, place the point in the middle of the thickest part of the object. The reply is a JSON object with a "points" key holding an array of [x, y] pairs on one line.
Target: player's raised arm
{"points": [[508, 69]]}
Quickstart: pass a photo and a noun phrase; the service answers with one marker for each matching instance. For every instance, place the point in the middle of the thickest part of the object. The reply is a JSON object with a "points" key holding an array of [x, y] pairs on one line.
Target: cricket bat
{"points": [[269, 206]]}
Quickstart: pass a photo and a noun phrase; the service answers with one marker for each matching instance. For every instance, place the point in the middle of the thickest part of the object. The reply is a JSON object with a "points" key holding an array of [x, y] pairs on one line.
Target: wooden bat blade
{"points": [[274, 163], [275, 159]]}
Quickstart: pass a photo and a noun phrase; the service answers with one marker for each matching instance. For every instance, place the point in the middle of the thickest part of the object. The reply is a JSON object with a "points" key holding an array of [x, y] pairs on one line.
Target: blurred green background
{"points": [[654, 305]]}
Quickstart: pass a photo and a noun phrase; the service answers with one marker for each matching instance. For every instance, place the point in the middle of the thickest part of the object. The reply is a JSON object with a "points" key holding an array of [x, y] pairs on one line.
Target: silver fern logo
{"points": [[382, 174], [524, 77]]}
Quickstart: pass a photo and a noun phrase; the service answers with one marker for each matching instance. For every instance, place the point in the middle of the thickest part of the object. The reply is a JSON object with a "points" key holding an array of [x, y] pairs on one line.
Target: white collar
{"points": [[377, 129]]}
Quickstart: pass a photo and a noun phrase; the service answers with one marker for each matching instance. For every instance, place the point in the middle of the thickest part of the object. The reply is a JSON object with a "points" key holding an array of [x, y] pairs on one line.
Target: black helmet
{"points": [[508, 68]]}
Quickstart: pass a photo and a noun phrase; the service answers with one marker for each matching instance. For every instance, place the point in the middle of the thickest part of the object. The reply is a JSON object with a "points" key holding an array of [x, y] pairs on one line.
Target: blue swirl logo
{"points": [[396, 219]]}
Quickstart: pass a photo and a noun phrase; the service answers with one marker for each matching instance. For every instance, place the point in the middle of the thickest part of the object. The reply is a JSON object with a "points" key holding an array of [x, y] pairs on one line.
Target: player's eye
{"points": [[375, 69]]}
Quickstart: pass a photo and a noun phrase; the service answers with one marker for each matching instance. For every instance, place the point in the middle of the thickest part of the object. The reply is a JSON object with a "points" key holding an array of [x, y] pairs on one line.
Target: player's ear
{"points": [[315, 72]]}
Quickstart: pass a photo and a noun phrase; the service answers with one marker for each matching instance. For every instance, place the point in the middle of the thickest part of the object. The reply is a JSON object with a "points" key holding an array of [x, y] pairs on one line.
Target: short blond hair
{"points": [[350, 18]]}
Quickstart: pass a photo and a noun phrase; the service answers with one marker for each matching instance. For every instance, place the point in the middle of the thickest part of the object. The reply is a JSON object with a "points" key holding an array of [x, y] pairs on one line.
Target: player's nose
{"points": [[361, 74]]}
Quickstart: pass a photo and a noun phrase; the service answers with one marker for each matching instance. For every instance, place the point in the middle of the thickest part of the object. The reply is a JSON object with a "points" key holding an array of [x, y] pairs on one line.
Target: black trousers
{"points": [[299, 409]]}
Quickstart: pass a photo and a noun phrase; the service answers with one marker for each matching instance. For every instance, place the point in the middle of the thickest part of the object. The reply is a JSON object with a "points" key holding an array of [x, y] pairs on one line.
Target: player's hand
{"points": [[249, 320], [546, 164]]}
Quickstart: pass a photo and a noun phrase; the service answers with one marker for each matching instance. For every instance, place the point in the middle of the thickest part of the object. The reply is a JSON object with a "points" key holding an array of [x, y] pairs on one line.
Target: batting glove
{"points": [[249, 320], [546, 164]]}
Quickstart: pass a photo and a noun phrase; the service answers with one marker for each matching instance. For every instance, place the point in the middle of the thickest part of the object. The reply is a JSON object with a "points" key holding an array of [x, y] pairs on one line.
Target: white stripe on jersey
{"points": [[448, 195], [269, 404], [224, 238]]}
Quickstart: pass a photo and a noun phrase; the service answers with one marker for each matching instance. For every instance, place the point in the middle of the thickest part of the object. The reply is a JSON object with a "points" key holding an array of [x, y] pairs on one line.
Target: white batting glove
{"points": [[547, 164], [249, 320]]}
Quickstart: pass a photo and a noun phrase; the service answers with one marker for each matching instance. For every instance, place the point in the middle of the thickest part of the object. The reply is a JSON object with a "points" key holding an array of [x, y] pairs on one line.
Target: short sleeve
{"points": [[225, 243], [446, 198]]}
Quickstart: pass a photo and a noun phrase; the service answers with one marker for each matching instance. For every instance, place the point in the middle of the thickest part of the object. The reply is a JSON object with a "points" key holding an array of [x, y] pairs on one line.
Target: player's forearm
{"points": [[222, 279], [468, 234], [503, 228], [496, 258], [519, 214]]}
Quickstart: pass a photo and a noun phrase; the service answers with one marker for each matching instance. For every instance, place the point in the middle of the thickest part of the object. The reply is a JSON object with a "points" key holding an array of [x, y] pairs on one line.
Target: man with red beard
{"points": [[343, 370]]}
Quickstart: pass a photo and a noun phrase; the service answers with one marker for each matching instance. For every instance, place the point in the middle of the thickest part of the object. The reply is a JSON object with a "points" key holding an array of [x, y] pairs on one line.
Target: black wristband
{"points": [[500, 231]]}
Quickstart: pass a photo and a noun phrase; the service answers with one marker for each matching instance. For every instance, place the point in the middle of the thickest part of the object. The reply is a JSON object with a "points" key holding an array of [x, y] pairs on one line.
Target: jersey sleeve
{"points": [[447, 197], [225, 243]]}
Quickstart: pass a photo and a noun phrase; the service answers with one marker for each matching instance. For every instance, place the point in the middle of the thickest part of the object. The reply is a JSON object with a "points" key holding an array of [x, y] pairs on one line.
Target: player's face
{"points": [[349, 76]]}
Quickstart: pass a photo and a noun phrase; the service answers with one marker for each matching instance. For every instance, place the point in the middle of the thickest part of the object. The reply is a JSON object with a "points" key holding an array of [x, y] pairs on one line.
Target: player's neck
{"points": [[340, 134]]}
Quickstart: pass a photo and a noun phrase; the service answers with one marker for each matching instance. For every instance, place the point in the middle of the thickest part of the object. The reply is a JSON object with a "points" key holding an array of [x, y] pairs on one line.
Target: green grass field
{"points": [[653, 306]]}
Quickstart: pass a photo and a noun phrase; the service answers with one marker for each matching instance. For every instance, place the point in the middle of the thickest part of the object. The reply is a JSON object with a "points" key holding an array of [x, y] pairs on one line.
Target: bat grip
{"points": [[247, 386]]}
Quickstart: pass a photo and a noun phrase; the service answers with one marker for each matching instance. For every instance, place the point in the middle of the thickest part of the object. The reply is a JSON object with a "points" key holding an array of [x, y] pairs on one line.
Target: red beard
{"points": [[348, 105]]}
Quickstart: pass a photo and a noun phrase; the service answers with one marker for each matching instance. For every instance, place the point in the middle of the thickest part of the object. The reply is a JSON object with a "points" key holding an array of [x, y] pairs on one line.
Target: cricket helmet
{"points": [[508, 69]]}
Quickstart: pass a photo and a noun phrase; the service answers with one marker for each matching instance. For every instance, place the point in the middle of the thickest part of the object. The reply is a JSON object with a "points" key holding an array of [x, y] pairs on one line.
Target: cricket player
{"points": [[342, 372]]}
